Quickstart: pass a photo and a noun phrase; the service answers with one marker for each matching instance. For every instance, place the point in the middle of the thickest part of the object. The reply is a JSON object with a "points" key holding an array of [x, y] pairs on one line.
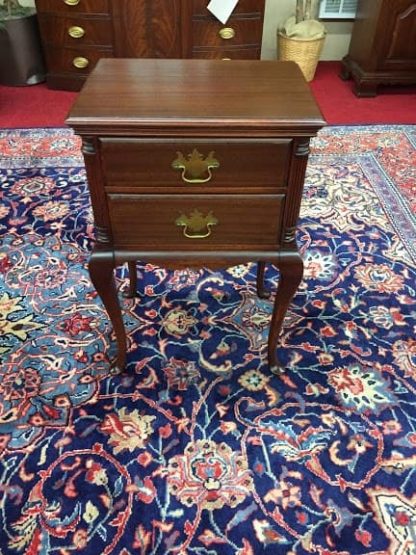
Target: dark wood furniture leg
{"points": [[101, 269], [345, 73], [262, 293], [291, 272], [132, 290], [365, 89]]}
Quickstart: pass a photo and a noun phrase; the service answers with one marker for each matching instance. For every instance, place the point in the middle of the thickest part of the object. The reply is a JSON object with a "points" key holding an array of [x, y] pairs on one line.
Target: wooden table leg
{"points": [[132, 290], [262, 293], [291, 272], [101, 269]]}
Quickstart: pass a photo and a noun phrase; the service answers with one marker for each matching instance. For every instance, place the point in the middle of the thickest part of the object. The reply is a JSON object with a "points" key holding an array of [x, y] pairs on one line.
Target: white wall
{"points": [[277, 11]]}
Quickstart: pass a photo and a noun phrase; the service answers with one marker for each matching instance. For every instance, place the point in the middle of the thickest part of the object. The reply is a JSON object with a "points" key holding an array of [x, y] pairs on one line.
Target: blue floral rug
{"points": [[197, 448]]}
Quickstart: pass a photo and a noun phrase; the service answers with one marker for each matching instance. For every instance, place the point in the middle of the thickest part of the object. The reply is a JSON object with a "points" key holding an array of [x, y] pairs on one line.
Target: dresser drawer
{"points": [[72, 6], [236, 53], [195, 164], [63, 60], [243, 6], [187, 222], [75, 31], [235, 32]]}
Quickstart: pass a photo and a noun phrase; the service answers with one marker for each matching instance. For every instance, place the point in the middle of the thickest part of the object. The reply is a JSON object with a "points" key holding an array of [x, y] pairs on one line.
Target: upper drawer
{"points": [[75, 31], [243, 6], [233, 53], [236, 32], [73, 6], [195, 164]]}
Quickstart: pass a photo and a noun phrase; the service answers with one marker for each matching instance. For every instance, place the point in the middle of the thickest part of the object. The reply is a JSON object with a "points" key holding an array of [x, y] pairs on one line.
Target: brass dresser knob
{"points": [[76, 32], [72, 2], [227, 33], [80, 62]]}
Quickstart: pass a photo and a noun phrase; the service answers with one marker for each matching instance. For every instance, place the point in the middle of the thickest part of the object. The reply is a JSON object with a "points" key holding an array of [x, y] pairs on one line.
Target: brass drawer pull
{"points": [[227, 33], [195, 167], [195, 223], [72, 2], [76, 32], [225, 58], [80, 62]]}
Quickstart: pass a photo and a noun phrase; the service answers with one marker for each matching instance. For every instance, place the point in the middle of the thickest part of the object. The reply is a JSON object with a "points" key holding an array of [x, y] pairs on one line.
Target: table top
{"points": [[239, 94]]}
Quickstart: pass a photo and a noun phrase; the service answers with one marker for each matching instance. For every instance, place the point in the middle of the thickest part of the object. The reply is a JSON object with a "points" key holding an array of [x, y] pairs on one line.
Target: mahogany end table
{"points": [[195, 163]]}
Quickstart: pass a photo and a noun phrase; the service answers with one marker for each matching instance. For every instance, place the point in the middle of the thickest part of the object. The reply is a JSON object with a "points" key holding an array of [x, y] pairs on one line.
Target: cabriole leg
{"points": [[261, 291], [291, 272], [132, 290], [101, 269]]}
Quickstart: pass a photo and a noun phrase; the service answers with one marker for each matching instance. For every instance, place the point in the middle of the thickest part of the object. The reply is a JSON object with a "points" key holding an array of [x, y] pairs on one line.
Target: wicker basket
{"points": [[305, 52]]}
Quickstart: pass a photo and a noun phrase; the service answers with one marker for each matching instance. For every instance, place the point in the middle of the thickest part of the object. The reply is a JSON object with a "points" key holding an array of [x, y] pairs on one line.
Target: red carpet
{"points": [[34, 106], [339, 104], [38, 106]]}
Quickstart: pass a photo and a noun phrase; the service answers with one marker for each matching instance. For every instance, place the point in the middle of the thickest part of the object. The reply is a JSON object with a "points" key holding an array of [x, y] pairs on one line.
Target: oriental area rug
{"points": [[196, 448]]}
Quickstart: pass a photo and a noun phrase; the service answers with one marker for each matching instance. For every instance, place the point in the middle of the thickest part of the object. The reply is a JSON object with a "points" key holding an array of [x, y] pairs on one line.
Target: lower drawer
{"points": [[187, 222], [78, 60], [66, 81]]}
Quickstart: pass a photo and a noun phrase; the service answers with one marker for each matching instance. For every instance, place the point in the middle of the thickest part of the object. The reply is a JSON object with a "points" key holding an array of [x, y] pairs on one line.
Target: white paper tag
{"points": [[222, 9]]}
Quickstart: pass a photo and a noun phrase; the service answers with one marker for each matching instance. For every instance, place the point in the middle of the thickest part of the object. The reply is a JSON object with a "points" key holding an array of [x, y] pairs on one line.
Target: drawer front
{"points": [[73, 6], [235, 32], [75, 31], [196, 165], [227, 53], [189, 222], [66, 81], [244, 6], [79, 61]]}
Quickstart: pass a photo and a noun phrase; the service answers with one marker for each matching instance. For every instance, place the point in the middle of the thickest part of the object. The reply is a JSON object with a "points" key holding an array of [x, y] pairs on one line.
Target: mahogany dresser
{"points": [[195, 163], [383, 45], [76, 33]]}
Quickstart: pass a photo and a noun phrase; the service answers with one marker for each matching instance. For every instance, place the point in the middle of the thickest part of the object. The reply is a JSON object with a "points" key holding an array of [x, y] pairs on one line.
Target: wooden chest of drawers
{"points": [[212, 178], [76, 33], [383, 46]]}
